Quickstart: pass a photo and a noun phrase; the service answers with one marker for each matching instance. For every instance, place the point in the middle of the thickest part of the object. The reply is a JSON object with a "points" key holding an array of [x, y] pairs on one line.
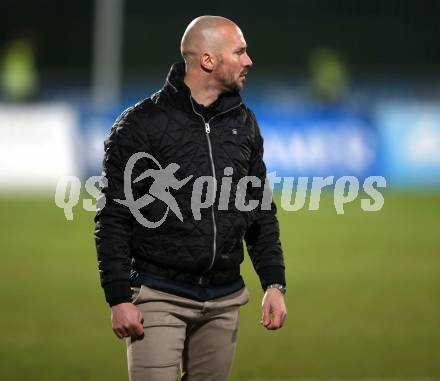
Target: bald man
{"points": [[175, 291]]}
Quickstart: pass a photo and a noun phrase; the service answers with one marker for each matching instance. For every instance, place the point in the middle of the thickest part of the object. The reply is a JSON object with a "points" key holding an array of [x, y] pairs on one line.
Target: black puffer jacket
{"points": [[205, 252]]}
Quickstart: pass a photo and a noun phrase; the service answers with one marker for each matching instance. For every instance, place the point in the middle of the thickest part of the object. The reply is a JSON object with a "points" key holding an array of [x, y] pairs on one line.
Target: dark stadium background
{"points": [[363, 288], [379, 37]]}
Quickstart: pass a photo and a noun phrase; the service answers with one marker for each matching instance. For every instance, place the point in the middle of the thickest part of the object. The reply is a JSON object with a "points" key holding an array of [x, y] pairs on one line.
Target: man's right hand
{"points": [[127, 321]]}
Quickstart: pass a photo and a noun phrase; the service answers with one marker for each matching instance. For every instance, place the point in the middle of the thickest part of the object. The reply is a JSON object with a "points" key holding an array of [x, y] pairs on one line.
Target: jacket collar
{"points": [[180, 94]]}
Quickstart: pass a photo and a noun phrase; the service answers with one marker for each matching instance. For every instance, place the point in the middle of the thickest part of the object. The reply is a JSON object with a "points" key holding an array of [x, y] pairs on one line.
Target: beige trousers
{"points": [[182, 336]]}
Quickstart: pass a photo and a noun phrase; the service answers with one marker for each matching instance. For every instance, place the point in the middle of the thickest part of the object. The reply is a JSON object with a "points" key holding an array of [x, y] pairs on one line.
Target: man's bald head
{"points": [[205, 34], [215, 54]]}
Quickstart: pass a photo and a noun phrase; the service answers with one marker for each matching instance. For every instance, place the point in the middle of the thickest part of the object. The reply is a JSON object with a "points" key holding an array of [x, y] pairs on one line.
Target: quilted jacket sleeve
{"points": [[263, 235], [114, 222]]}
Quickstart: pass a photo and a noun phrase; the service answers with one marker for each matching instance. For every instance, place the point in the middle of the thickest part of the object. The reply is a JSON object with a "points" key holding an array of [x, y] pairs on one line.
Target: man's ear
{"points": [[207, 62]]}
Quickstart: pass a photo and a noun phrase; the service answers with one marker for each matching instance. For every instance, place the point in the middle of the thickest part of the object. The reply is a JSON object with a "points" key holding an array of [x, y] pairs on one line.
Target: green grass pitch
{"points": [[363, 296]]}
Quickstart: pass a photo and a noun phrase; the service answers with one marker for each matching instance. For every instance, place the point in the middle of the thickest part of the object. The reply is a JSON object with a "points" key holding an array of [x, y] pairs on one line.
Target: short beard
{"points": [[228, 84]]}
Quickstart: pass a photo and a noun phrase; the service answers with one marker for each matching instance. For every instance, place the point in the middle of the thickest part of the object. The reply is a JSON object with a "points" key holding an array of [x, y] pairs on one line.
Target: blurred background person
{"points": [[329, 75], [18, 72]]}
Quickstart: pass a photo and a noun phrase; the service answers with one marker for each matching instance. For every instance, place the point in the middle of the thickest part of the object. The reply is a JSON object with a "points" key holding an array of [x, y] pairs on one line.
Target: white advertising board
{"points": [[37, 144]]}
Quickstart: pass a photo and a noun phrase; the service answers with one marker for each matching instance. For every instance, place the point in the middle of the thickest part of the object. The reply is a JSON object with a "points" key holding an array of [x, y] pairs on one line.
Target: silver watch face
{"points": [[278, 286]]}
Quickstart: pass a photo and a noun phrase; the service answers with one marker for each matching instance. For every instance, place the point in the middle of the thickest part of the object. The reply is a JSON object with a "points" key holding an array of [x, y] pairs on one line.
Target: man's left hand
{"points": [[274, 309]]}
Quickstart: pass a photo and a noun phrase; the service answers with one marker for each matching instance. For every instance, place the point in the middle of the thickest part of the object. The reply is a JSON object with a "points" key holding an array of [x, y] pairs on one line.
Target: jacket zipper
{"points": [[207, 133]]}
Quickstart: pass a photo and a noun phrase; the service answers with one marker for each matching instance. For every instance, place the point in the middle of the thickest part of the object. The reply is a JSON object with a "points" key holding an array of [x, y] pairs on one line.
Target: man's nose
{"points": [[248, 61]]}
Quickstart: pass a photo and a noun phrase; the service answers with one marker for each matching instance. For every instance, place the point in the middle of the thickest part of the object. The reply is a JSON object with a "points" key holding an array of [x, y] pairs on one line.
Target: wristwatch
{"points": [[278, 286]]}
